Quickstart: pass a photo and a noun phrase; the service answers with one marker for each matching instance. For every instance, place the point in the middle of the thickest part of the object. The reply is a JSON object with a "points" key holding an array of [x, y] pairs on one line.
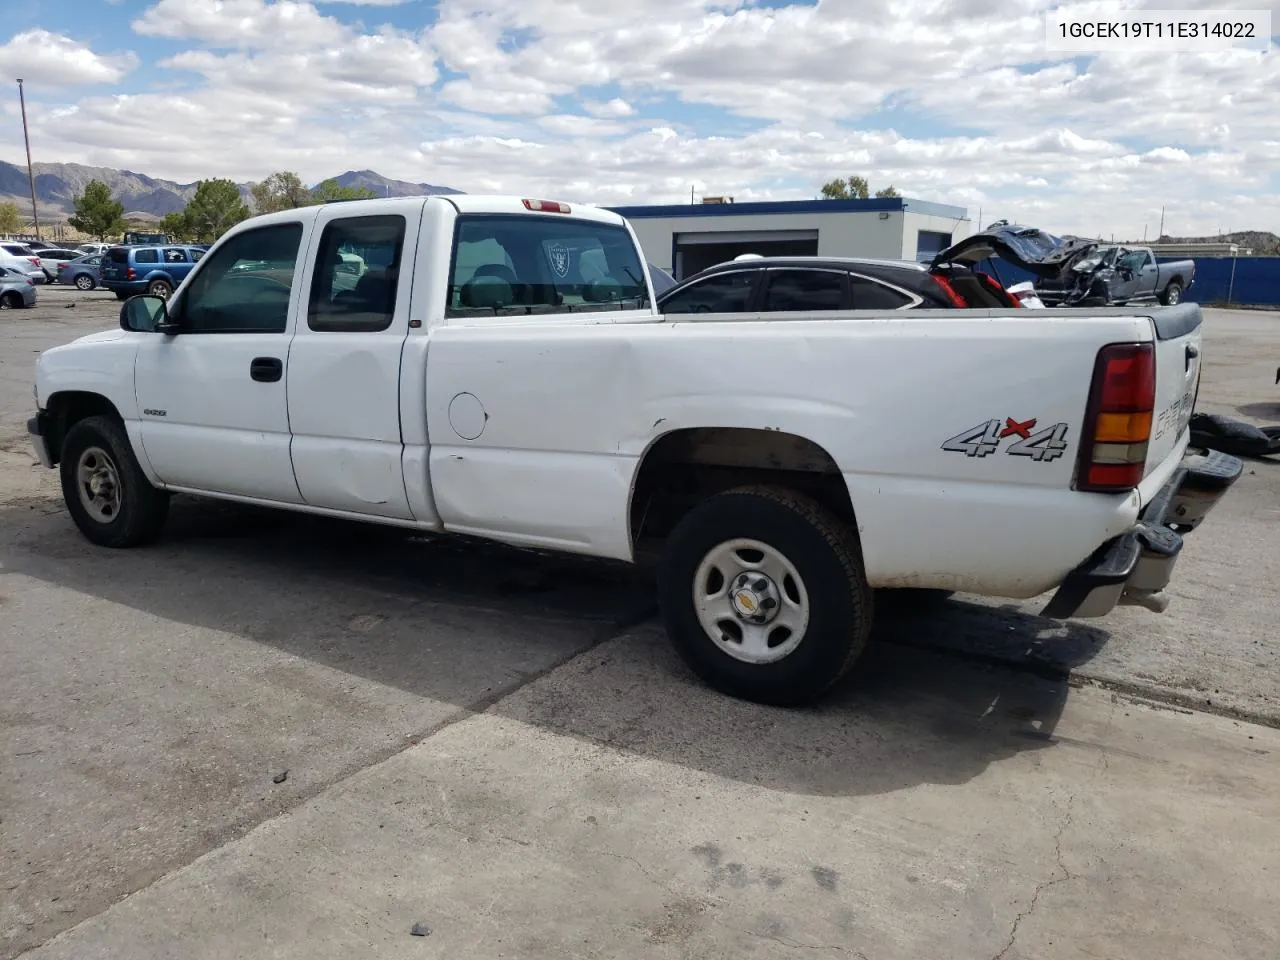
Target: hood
{"points": [[102, 336], [1030, 248]]}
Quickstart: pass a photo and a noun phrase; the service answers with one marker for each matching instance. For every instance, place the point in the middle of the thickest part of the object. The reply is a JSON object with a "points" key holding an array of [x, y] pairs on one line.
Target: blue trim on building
{"points": [[775, 207]]}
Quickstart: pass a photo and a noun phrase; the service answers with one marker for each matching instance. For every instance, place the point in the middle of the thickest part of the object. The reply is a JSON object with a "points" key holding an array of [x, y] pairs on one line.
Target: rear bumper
{"points": [[38, 434], [1136, 566], [124, 286]]}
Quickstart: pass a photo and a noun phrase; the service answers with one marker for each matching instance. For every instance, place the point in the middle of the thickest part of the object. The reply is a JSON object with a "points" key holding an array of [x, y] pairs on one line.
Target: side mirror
{"points": [[145, 314]]}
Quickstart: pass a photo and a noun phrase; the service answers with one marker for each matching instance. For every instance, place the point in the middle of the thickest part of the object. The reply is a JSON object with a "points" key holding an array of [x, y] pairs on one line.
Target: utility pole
{"points": [[31, 177], [1161, 223], [691, 194]]}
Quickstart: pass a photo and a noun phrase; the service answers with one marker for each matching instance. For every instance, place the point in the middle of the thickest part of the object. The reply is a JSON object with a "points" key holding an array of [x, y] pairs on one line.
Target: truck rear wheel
{"points": [[764, 595], [105, 490], [1172, 294]]}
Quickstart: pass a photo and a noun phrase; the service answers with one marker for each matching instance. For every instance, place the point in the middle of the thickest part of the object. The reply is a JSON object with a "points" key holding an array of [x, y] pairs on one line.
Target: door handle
{"points": [[266, 369]]}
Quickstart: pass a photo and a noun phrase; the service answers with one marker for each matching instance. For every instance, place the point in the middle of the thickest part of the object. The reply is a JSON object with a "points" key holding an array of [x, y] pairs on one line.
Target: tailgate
{"points": [[1177, 331]]}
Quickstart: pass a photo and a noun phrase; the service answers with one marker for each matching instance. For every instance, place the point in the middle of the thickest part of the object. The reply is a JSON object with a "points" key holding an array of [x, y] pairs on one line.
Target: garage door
{"points": [[697, 251]]}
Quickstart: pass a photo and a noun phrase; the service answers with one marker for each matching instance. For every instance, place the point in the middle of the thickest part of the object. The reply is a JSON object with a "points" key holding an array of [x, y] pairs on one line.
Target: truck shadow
{"points": [[942, 693]]}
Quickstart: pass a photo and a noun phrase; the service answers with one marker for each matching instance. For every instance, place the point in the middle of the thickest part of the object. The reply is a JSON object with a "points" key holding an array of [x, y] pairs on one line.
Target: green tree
{"points": [[215, 208], [283, 190], [175, 225], [888, 192], [850, 188], [10, 218], [330, 192], [97, 213]]}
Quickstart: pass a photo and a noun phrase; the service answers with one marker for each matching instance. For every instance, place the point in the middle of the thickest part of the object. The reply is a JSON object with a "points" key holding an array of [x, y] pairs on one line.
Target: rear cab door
{"points": [[344, 376]]}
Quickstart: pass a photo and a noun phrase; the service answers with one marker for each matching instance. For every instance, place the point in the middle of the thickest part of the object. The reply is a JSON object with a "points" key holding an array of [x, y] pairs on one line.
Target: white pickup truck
{"points": [[498, 370]]}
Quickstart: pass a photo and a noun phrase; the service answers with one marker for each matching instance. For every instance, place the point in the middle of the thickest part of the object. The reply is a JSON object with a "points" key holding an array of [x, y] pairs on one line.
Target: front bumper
{"points": [[1136, 566], [38, 434]]}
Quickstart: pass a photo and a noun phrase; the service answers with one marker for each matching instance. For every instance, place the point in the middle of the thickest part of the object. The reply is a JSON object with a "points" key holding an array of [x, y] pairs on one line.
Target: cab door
{"points": [[344, 361], [212, 396]]}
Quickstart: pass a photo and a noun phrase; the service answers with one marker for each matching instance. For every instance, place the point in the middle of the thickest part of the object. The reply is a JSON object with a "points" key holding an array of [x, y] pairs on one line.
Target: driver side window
{"points": [[244, 286]]}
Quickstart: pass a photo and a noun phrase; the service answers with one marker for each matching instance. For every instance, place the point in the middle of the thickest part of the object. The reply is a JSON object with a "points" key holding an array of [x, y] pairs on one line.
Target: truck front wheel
{"points": [[764, 595], [106, 492]]}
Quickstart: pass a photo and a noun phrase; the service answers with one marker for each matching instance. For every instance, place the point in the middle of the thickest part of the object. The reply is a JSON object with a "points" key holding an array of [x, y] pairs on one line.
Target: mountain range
{"points": [[147, 197]]}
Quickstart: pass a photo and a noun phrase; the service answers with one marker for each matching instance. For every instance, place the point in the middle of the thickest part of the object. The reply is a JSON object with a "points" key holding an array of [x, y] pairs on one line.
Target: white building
{"points": [[686, 238]]}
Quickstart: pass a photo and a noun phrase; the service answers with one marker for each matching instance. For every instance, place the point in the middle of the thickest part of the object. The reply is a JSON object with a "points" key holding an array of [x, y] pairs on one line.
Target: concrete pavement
{"points": [[615, 809]]}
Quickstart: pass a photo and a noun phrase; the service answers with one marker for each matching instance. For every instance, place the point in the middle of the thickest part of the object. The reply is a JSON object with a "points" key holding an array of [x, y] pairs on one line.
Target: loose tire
{"points": [[764, 595], [160, 288], [106, 492], [1172, 294], [84, 282]]}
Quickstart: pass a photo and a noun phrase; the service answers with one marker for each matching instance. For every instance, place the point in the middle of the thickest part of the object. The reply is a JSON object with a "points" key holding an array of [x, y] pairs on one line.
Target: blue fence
{"points": [[1256, 282]]}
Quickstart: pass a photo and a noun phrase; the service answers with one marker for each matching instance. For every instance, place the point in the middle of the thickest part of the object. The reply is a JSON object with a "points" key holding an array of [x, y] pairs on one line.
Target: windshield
{"points": [[543, 264]]}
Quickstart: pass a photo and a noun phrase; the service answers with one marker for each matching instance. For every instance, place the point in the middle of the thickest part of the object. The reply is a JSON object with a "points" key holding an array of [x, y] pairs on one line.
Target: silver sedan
{"points": [[16, 289]]}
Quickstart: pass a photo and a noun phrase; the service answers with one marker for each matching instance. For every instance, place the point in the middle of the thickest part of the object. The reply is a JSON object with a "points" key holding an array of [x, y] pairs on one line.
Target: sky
{"points": [[638, 102]]}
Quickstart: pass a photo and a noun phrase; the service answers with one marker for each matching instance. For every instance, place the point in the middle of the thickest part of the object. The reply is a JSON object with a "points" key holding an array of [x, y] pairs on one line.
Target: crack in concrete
{"points": [[1061, 875]]}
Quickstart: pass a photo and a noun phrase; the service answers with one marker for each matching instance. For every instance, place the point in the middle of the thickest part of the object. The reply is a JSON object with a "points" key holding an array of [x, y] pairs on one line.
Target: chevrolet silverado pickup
{"points": [[499, 370]]}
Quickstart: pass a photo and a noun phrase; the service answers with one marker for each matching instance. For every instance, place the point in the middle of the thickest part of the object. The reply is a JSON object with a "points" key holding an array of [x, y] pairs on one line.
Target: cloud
{"points": [[41, 57], [240, 23], [949, 100]]}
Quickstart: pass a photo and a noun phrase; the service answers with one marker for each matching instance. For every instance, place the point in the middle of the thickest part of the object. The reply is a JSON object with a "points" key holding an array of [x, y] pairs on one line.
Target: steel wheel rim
{"points": [[161, 290], [751, 601], [98, 482], [83, 282], [1175, 295]]}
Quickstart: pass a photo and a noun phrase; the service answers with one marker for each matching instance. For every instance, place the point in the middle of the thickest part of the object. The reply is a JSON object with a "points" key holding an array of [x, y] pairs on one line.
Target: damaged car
{"points": [[1075, 271]]}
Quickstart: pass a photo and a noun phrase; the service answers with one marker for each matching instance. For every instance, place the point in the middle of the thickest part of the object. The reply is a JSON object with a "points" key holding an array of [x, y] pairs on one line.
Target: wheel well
{"points": [[66, 409], [684, 467], [1176, 278]]}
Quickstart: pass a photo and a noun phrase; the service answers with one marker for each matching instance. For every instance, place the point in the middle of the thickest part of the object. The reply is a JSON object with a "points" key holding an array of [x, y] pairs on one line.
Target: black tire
{"points": [[142, 508], [123, 294], [85, 282], [10, 300], [1172, 293], [824, 552], [160, 288]]}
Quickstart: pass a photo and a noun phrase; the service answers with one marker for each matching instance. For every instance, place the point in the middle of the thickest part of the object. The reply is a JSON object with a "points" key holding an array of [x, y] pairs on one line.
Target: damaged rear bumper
{"points": [[1136, 566]]}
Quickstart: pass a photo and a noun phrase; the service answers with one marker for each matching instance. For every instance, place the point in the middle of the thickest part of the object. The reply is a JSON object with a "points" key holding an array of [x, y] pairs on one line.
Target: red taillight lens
{"points": [[950, 291], [63, 265], [129, 274], [35, 260], [1117, 423], [1004, 295], [546, 206]]}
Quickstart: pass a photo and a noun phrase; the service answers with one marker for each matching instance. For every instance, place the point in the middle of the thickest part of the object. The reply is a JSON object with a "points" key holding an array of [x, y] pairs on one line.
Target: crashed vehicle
{"points": [[1075, 271]]}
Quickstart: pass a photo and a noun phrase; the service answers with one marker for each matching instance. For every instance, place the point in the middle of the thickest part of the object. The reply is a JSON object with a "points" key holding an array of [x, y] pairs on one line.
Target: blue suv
{"points": [[156, 270]]}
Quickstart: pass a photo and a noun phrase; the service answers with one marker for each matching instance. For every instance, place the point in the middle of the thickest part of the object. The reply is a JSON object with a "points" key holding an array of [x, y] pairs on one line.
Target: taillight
{"points": [[35, 260], [950, 291], [129, 274], [1004, 295], [1117, 421], [546, 206]]}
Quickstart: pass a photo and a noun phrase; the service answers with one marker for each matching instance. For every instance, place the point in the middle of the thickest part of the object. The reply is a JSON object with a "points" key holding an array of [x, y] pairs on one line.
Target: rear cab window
{"points": [[541, 264]]}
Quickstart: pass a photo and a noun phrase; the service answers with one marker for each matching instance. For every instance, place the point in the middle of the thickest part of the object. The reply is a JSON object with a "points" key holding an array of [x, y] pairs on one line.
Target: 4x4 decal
{"points": [[984, 439]]}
